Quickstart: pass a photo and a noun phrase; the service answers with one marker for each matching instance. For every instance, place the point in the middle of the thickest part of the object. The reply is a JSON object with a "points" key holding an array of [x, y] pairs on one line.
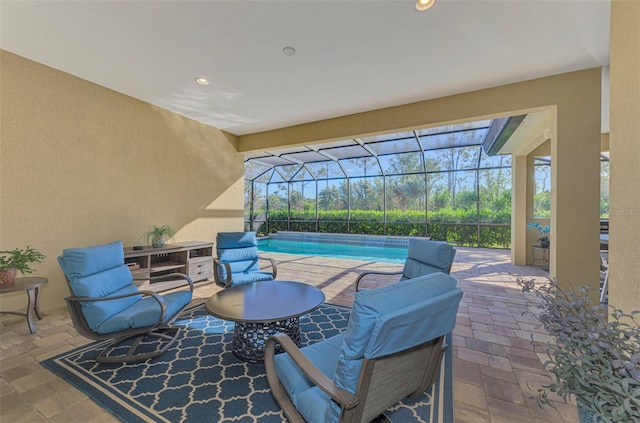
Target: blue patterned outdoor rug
{"points": [[198, 379]]}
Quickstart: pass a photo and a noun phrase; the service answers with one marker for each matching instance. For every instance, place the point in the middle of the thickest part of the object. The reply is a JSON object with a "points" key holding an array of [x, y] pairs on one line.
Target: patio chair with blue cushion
{"points": [[423, 257], [392, 348], [238, 260], [106, 304]]}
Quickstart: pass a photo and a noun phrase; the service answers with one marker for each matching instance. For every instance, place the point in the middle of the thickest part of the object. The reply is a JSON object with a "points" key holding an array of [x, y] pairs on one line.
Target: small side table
{"points": [[543, 256], [32, 286]]}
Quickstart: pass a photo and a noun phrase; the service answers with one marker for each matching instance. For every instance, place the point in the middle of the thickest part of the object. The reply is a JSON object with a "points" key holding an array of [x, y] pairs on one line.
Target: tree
{"points": [[542, 192], [330, 199]]}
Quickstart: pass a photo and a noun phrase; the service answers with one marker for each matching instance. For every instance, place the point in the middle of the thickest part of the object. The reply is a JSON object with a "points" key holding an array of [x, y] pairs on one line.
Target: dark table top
{"points": [[22, 284], [265, 301]]}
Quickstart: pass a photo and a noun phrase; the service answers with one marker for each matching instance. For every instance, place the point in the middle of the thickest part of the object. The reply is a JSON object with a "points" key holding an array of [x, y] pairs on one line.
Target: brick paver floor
{"points": [[495, 368]]}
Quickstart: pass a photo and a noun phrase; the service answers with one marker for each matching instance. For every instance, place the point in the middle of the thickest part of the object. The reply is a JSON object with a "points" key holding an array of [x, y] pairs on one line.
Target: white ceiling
{"points": [[352, 55]]}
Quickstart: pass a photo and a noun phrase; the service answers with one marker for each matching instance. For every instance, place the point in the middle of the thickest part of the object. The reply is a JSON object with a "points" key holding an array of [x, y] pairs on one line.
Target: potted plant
{"points": [[12, 261], [594, 353], [157, 235], [543, 230]]}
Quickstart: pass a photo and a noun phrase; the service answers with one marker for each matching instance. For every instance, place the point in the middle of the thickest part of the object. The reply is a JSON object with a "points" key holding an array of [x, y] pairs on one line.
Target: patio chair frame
{"points": [[382, 382]]}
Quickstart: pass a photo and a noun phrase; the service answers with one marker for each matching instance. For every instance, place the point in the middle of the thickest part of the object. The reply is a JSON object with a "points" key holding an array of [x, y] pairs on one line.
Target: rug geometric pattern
{"points": [[199, 379]]}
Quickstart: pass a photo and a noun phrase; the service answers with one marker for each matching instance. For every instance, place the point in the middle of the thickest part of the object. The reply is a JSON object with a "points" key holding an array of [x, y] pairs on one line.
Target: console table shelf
{"points": [[193, 258], [161, 267]]}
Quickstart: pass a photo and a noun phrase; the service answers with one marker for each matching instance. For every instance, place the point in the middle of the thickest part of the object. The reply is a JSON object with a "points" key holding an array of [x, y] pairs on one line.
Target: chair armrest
{"points": [[216, 277], [273, 265], [113, 297], [319, 379], [171, 277], [362, 275]]}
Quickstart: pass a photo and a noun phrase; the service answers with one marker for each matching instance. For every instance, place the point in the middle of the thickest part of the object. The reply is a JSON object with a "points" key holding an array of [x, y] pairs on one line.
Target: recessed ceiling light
{"points": [[422, 5], [202, 81], [289, 51]]}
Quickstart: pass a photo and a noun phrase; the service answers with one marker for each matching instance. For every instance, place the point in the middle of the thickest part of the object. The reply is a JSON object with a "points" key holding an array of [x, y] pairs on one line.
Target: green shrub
{"points": [[456, 226]]}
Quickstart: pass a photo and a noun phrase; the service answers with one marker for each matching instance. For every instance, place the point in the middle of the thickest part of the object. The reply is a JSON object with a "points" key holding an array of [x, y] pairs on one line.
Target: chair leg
{"points": [[168, 335], [604, 285]]}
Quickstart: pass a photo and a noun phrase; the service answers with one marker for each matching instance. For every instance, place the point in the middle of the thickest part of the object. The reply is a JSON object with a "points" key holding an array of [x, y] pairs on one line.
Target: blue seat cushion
{"points": [[240, 260], [323, 355], [102, 284], [145, 313], [96, 312], [239, 267], [242, 278], [309, 400], [313, 405]]}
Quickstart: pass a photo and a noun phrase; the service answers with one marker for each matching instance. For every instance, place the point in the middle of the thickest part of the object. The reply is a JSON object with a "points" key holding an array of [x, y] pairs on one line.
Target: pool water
{"points": [[342, 251]]}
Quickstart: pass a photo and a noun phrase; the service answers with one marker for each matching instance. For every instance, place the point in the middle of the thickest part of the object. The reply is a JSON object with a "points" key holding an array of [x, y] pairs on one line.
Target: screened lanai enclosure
{"points": [[436, 182]]}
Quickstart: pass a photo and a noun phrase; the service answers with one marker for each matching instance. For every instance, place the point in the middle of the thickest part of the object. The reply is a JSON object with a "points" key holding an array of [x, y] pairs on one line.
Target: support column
{"points": [[519, 198], [575, 190], [624, 143]]}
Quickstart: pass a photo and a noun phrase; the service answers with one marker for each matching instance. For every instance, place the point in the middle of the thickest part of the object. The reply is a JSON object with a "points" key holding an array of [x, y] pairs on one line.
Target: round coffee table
{"points": [[261, 309]]}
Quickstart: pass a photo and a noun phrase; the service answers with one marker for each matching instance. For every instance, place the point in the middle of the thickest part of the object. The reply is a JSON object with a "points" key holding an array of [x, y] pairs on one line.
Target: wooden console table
{"points": [[193, 258]]}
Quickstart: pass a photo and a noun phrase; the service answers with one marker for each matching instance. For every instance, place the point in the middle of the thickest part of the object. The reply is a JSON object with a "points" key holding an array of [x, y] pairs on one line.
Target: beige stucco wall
{"points": [[81, 165], [573, 98], [604, 142], [624, 147]]}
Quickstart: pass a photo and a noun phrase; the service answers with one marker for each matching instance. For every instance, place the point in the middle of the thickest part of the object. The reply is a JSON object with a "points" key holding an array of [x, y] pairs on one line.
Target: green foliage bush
{"points": [[456, 226]]}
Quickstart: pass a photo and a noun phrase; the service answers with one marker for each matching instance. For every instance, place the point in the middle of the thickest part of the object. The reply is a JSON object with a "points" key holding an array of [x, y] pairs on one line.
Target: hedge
{"points": [[456, 226]]}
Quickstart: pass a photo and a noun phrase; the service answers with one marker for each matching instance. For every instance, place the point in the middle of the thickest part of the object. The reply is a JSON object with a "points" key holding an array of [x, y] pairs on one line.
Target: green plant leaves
{"points": [[594, 355]]}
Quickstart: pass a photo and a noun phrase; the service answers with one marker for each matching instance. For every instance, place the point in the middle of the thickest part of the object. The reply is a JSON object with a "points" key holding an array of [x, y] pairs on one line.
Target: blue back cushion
{"points": [[406, 328], [236, 240], [426, 257], [99, 271], [80, 262], [392, 318], [239, 249]]}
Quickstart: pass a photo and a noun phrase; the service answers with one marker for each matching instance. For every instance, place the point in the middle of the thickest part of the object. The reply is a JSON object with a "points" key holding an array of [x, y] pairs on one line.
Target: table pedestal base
{"points": [[249, 338]]}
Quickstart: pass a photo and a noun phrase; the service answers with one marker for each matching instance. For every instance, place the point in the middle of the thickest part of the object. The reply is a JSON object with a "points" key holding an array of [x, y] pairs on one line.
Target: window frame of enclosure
{"points": [[384, 174], [540, 162]]}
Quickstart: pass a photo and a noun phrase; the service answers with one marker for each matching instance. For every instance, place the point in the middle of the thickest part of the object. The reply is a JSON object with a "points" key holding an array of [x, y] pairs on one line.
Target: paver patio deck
{"points": [[495, 367]]}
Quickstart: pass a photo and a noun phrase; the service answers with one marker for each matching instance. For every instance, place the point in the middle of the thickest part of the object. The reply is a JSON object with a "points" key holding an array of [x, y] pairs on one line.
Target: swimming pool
{"points": [[344, 251]]}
